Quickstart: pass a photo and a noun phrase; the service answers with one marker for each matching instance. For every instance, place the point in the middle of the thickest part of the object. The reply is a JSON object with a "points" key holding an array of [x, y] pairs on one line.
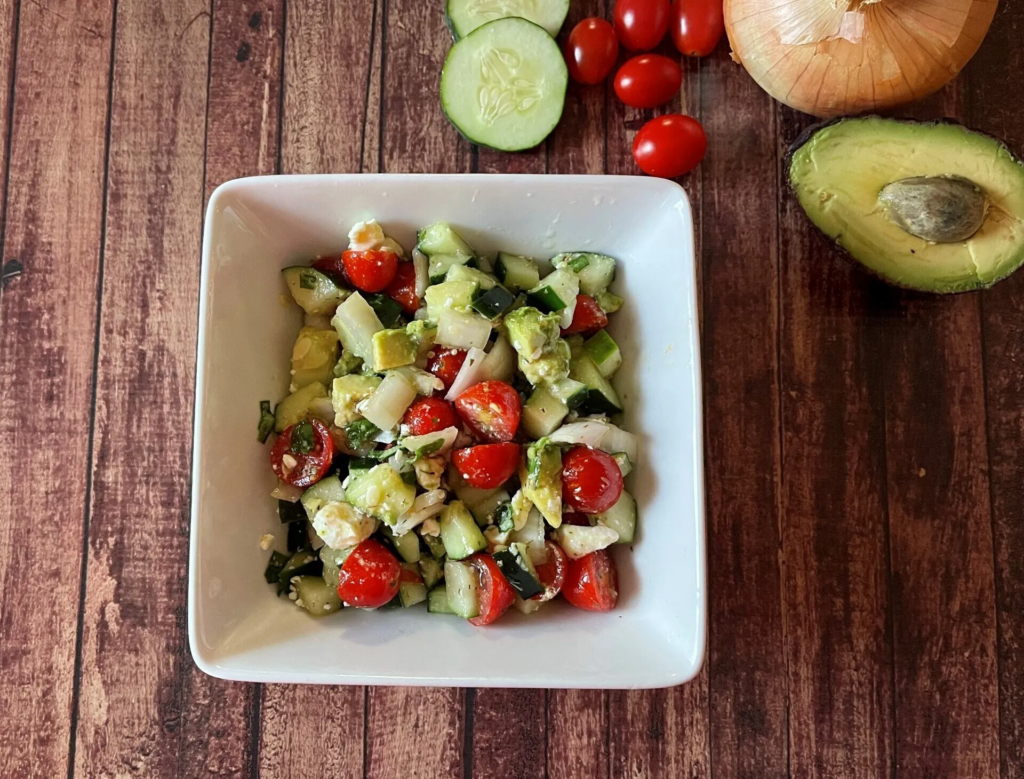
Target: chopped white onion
{"points": [[422, 265], [500, 361], [356, 322], [385, 437], [462, 331], [586, 433], [471, 372], [424, 382], [619, 440], [427, 505], [415, 443], [286, 491], [388, 403], [567, 313]]}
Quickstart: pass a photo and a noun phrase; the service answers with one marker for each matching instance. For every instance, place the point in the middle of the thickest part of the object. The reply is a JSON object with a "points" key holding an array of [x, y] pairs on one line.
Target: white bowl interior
{"points": [[240, 630]]}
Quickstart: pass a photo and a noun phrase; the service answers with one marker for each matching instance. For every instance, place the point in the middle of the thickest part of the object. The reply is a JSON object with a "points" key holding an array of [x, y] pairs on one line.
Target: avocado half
{"points": [[930, 206]]}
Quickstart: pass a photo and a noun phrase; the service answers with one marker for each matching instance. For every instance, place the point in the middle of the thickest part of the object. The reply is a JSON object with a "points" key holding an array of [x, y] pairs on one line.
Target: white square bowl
{"points": [[255, 227]]}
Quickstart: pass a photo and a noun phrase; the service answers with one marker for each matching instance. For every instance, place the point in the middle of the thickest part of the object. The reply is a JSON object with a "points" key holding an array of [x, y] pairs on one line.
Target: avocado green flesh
{"points": [[840, 170]]}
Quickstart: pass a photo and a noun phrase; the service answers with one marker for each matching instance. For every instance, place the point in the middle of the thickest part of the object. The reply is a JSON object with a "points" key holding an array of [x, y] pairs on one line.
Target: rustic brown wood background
{"points": [[865, 467]]}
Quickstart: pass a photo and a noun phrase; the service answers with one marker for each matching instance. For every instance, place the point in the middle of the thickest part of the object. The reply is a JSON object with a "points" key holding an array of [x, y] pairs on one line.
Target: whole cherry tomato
{"points": [[587, 318], [670, 146], [403, 288], [591, 480], [697, 26], [591, 51], [552, 571], [445, 363], [369, 577], [491, 409], [302, 453], [487, 466], [371, 270], [496, 594], [641, 24], [591, 582], [648, 80], [428, 415]]}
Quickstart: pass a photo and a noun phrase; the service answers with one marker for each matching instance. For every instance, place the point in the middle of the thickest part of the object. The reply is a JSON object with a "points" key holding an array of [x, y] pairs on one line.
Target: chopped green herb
{"points": [[303, 438], [578, 263], [307, 279], [384, 454], [429, 449], [504, 517], [275, 566], [266, 421], [360, 432], [387, 309]]}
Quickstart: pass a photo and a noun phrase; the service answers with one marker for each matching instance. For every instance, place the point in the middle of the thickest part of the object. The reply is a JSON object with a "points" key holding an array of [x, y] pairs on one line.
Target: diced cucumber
{"points": [[439, 264], [437, 601], [411, 593], [361, 465], [431, 571], [298, 536], [462, 582], [621, 518], [515, 564], [459, 532], [435, 545], [602, 349], [311, 289], [543, 485], [266, 423], [456, 294], [602, 397], [327, 490], [571, 392], [332, 560], [304, 562], [595, 271], [296, 406], [316, 596], [494, 302], [578, 541], [407, 546], [481, 503], [356, 322], [464, 16], [555, 291], [609, 302], [288, 511], [274, 567], [516, 272], [625, 465], [313, 357], [441, 238], [542, 413], [463, 331], [504, 84], [465, 273], [380, 492]]}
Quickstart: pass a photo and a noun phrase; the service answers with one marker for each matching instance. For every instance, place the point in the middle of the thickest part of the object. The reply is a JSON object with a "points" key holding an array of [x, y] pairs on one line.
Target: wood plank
{"points": [[47, 339], [414, 733], [134, 655], [312, 731], [834, 523], [8, 53], [508, 733]]}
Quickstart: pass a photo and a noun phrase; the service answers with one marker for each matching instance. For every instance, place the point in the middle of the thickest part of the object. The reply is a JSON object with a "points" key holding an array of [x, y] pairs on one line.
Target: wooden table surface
{"points": [[865, 468]]}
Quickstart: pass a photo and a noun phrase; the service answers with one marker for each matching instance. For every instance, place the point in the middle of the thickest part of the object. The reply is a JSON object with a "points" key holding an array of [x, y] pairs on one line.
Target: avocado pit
{"points": [[939, 209]]}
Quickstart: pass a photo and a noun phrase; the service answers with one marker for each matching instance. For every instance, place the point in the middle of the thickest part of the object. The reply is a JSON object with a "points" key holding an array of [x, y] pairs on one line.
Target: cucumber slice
{"points": [[459, 532], [295, 407], [602, 349], [464, 16], [481, 503], [407, 546], [314, 291], [465, 273], [463, 586], [621, 518], [555, 291], [625, 466], [437, 601], [441, 238], [609, 301], [274, 567], [440, 264], [304, 562], [380, 492], [412, 593], [516, 272], [431, 571], [436, 547], [316, 596], [571, 392], [515, 564], [327, 490], [503, 86], [543, 413], [494, 302], [595, 271], [455, 294], [601, 397]]}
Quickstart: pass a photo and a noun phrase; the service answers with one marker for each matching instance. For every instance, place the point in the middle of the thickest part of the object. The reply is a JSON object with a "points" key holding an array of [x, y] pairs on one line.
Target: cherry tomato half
{"points": [[446, 363], [428, 415], [496, 594], [591, 480], [648, 80], [641, 24], [333, 266], [591, 51], [302, 453], [491, 409], [670, 146], [591, 582], [697, 26], [403, 288], [371, 270], [369, 576], [587, 318], [552, 572], [487, 466]]}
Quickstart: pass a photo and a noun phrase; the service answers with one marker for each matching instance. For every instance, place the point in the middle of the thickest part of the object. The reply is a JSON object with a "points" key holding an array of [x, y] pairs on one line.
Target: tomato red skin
{"points": [[552, 573], [333, 266], [591, 583], [409, 577], [370, 576], [403, 288], [697, 26], [591, 480], [641, 24], [496, 594], [591, 51], [428, 415], [670, 145], [648, 80], [587, 318], [491, 409], [312, 466], [371, 270], [445, 363], [487, 466]]}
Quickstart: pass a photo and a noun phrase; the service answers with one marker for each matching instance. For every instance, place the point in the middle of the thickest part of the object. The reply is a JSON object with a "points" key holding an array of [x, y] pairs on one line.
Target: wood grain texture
{"points": [[9, 13], [47, 336], [509, 729], [134, 654], [414, 733], [834, 522]]}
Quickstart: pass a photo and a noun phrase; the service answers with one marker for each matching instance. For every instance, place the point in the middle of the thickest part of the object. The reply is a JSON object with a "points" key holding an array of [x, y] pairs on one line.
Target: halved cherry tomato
{"points": [[591, 480], [371, 270], [591, 582], [496, 594], [648, 80], [591, 51], [369, 576], [403, 288], [445, 363], [552, 572], [574, 518], [491, 409], [409, 577], [487, 466], [640, 24], [333, 266], [670, 146], [305, 459], [587, 318], [697, 26], [428, 415]]}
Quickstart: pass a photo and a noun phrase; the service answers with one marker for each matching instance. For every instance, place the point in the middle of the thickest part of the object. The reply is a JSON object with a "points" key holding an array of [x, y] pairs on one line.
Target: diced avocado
{"points": [[609, 302], [550, 367], [494, 302], [516, 272], [456, 295], [465, 273], [316, 596], [543, 485], [462, 583], [381, 492], [531, 332], [314, 291], [555, 291], [393, 349], [595, 271], [313, 357], [601, 396], [575, 344], [602, 349], [441, 238], [347, 363], [459, 532], [356, 322], [295, 407], [621, 518], [347, 391], [423, 334], [542, 413]]}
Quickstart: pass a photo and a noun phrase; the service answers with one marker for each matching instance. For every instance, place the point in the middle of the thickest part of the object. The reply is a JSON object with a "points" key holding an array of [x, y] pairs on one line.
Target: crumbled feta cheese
{"points": [[327, 607], [365, 235], [430, 527], [288, 464], [266, 540], [429, 471], [292, 595], [299, 602], [341, 525]]}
